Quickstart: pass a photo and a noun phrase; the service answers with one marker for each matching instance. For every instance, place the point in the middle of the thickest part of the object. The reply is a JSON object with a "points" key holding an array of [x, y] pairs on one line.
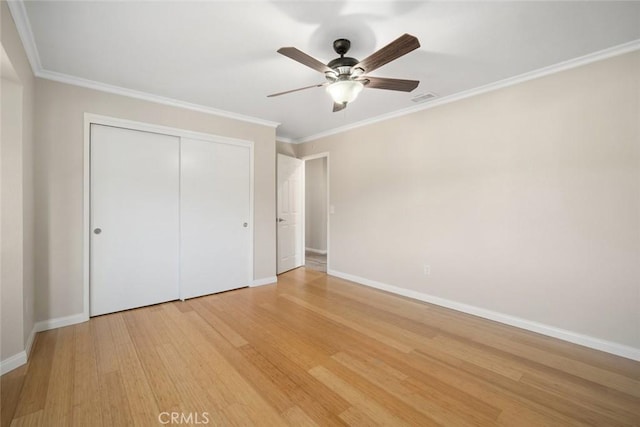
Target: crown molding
{"points": [[145, 96], [531, 75], [19, 14]]}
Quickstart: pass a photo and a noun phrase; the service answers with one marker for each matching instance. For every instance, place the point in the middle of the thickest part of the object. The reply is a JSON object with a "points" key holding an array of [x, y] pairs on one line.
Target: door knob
{"points": [[97, 230], [281, 220], [245, 225]]}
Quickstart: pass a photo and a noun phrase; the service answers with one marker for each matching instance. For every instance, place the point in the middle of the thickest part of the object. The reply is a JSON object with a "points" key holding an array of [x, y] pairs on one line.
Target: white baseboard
{"points": [[13, 362], [60, 322], [563, 334], [29, 343], [20, 359], [316, 251], [264, 281]]}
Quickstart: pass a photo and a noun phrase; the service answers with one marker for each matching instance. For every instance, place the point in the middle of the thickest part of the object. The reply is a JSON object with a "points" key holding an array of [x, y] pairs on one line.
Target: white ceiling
{"points": [[222, 54]]}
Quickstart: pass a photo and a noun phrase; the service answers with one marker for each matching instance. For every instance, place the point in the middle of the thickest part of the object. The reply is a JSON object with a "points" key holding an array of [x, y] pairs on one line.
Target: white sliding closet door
{"points": [[134, 219], [215, 231]]}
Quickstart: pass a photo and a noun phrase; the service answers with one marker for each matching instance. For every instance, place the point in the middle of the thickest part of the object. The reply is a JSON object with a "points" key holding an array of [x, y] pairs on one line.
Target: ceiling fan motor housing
{"points": [[342, 65]]}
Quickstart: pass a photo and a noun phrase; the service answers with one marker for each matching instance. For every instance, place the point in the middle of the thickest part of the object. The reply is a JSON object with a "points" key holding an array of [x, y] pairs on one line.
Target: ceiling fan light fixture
{"points": [[345, 91]]}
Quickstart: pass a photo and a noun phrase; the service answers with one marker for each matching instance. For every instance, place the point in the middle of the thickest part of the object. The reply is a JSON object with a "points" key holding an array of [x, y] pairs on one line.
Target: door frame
{"points": [[89, 119], [326, 155]]}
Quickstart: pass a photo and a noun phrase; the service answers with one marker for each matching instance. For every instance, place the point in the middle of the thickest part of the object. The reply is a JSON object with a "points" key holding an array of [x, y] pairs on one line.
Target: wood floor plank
{"points": [[384, 339], [113, 401], [607, 378], [142, 403], [413, 372], [193, 397], [370, 320], [297, 417], [311, 394], [106, 358], [85, 364], [314, 404], [625, 367], [265, 377], [143, 334], [219, 324], [240, 393], [562, 405], [614, 408], [617, 404], [306, 352], [443, 373], [431, 315], [86, 388], [431, 402], [357, 398], [10, 389], [206, 381], [525, 344], [34, 419], [60, 393], [475, 356], [355, 417], [362, 308], [33, 395], [314, 350]]}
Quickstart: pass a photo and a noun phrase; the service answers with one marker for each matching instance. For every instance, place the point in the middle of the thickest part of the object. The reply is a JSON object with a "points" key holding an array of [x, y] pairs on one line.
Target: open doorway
{"points": [[316, 209]]}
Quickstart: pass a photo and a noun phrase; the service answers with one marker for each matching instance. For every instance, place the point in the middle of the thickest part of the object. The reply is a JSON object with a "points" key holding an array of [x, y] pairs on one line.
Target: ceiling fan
{"points": [[346, 76]]}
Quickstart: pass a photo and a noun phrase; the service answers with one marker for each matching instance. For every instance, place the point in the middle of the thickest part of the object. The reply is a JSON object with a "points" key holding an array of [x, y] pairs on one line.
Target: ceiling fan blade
{"points": [[394, 50], [303, 58], [338, 107], [295, 90], [389, 84]]}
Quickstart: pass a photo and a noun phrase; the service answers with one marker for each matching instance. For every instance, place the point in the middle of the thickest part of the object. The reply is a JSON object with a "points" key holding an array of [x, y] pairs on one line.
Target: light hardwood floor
{"points": [[315, 261], [314, 350]]}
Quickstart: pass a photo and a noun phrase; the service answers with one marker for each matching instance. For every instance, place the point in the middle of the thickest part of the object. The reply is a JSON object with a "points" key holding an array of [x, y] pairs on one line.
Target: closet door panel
{"points": [[134, 219], [214, 222]]}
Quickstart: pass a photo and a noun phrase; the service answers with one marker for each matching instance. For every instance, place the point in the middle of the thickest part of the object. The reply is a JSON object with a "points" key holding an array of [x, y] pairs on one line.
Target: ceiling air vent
{"points": [[424, 97]]}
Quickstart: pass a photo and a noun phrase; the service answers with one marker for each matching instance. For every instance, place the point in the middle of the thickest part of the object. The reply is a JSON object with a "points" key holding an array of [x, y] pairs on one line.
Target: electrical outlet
{"points": [[427, 270]]}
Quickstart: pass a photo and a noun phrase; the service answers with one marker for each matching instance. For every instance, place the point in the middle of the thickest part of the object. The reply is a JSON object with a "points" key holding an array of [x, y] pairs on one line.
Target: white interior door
{"points": [[215, 229], [290, 226], [134, 219]]}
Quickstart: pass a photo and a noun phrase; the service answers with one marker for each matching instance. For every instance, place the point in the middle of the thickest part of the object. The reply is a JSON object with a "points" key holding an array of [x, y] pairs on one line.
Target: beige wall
{"points": [[285, 148], [17, 200], [524, 201], [11, 226], [59, 183], [315, 197]]}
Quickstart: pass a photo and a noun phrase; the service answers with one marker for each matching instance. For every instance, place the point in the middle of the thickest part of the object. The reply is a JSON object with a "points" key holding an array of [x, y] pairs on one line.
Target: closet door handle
{"points": [[97, 230], [281, 220]]}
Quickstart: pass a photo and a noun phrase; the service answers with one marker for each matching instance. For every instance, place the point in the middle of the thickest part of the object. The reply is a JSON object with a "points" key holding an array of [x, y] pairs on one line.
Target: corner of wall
{"points": [[20, 61]]}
